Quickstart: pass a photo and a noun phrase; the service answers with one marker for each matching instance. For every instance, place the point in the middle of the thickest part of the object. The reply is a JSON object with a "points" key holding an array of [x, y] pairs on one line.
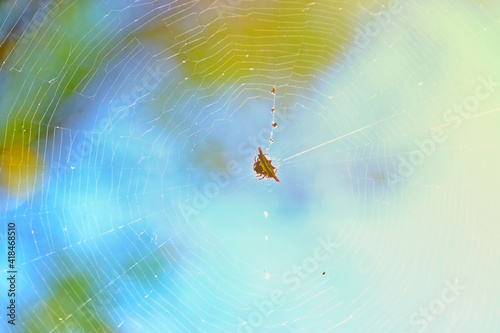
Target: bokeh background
{"points": [[128, 131]]}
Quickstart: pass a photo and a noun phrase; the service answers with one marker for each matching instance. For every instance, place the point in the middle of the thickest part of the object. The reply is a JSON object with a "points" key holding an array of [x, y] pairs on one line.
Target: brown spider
{"points": [[263, 167]]}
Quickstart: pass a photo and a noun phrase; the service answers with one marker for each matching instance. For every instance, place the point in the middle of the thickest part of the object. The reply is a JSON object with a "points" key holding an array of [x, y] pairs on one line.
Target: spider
{"points": [[263, 167]]}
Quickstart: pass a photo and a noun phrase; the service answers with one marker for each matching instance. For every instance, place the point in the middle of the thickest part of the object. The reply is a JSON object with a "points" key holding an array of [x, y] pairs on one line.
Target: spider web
{"points": [[129, 131]]}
